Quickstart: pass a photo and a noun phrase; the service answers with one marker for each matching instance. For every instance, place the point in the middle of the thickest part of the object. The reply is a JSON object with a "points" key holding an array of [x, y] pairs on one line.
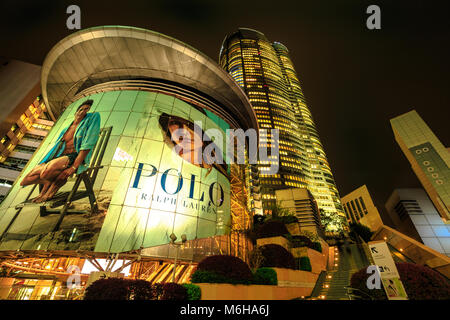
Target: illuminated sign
{"points": [[144, 190]]}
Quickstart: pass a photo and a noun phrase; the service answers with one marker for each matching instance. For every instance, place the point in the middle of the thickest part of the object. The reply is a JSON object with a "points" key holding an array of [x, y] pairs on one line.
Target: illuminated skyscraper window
{"points": [[266, 73]]}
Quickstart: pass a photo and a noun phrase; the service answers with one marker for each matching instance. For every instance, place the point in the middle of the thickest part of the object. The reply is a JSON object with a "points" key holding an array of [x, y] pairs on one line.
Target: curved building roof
{"points": [[117, 56]]}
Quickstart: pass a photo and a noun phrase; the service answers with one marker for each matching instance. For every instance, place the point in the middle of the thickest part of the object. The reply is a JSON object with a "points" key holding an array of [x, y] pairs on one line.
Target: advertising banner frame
{"points": [[134, 118]]}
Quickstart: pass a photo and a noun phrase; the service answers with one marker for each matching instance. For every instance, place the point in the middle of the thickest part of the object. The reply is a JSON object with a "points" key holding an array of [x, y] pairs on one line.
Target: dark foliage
{"points": [[200, 276], [363, 231], [258, 220], [283, 219], [266, 276], [301, 241], [272, 228], [170, 291], [317, 246], [122, 289], [303, 263], [421, 283], [228, 267], [140, 290], [277, 256], [193, 291], [108, 289]]}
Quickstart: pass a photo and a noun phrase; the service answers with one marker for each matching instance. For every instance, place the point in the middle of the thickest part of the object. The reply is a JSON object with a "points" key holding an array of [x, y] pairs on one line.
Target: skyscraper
{"points": [[24, 121], [266, 73], [303, 205], [429, 159], [359, 208], [414, 215]]}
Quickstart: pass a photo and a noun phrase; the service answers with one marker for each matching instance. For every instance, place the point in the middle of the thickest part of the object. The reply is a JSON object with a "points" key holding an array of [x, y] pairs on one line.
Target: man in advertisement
{"points": [[70, 154]]}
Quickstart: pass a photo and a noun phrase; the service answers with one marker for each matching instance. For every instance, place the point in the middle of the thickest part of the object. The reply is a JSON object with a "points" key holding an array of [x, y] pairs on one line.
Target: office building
{"points": [[359, 208], [302, 204], [265, 72], [24, 121], [428, 157], [414, 215]]}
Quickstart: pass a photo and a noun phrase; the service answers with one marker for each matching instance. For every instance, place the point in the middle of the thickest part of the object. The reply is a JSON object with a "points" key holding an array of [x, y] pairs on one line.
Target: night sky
{"points": [[354, 79]]}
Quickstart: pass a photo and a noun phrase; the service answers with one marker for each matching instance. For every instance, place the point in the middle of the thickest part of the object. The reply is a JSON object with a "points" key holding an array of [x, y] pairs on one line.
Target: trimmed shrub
{"points": [[108, 289], [119, 289], [363, 231], [303, 263], [301, 241], [289, 219], [283, 219], [258, 220], [277, 256], [317, 246], [228, 267], [140, 290], [421, 283], [170, 291], [193, 291], [266, 276], [200, 276], [272, 228]]}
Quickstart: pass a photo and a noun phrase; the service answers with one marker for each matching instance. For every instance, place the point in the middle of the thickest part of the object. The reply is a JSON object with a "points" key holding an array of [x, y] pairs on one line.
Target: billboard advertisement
{"points": [[110, 177]]}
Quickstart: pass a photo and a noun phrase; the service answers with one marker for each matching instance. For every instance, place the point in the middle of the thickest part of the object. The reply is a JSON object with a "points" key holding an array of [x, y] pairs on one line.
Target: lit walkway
{"points": [[331, 284]]}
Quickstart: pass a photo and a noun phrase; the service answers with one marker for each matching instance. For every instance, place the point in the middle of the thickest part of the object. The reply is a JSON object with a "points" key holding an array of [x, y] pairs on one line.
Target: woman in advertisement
{"points": [[183, 135], [175, 187], [71, 153]]}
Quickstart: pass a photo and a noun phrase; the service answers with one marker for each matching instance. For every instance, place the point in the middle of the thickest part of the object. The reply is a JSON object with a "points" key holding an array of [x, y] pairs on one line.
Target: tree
{"points": [[334, 223], [256, 258], [281, 213], [363, 231]]}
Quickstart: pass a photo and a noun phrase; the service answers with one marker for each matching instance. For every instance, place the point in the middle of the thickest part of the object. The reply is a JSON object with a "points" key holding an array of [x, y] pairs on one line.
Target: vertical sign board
{"points": [[389, 274]]}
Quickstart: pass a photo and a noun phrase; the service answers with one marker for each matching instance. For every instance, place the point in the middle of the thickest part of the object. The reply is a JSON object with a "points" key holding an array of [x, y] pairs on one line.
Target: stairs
{"points": [[331, 285]]}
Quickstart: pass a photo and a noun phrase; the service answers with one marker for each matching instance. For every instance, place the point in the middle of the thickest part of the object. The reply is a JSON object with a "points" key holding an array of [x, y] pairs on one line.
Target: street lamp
{"points": [[173, 238]]}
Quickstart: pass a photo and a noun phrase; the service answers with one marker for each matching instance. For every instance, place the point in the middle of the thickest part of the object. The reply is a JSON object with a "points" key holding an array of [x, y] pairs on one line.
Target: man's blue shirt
{"points": [[85, 138]]}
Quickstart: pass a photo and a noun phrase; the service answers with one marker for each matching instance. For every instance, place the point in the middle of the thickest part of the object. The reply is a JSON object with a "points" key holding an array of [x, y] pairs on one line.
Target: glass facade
{"points": [[414, 215], [429, 159], [144, 190], [266, 73]]}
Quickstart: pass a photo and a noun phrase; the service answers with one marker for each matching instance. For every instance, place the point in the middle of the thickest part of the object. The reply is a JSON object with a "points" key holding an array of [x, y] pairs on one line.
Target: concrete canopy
{"points": [[109, 53]]}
